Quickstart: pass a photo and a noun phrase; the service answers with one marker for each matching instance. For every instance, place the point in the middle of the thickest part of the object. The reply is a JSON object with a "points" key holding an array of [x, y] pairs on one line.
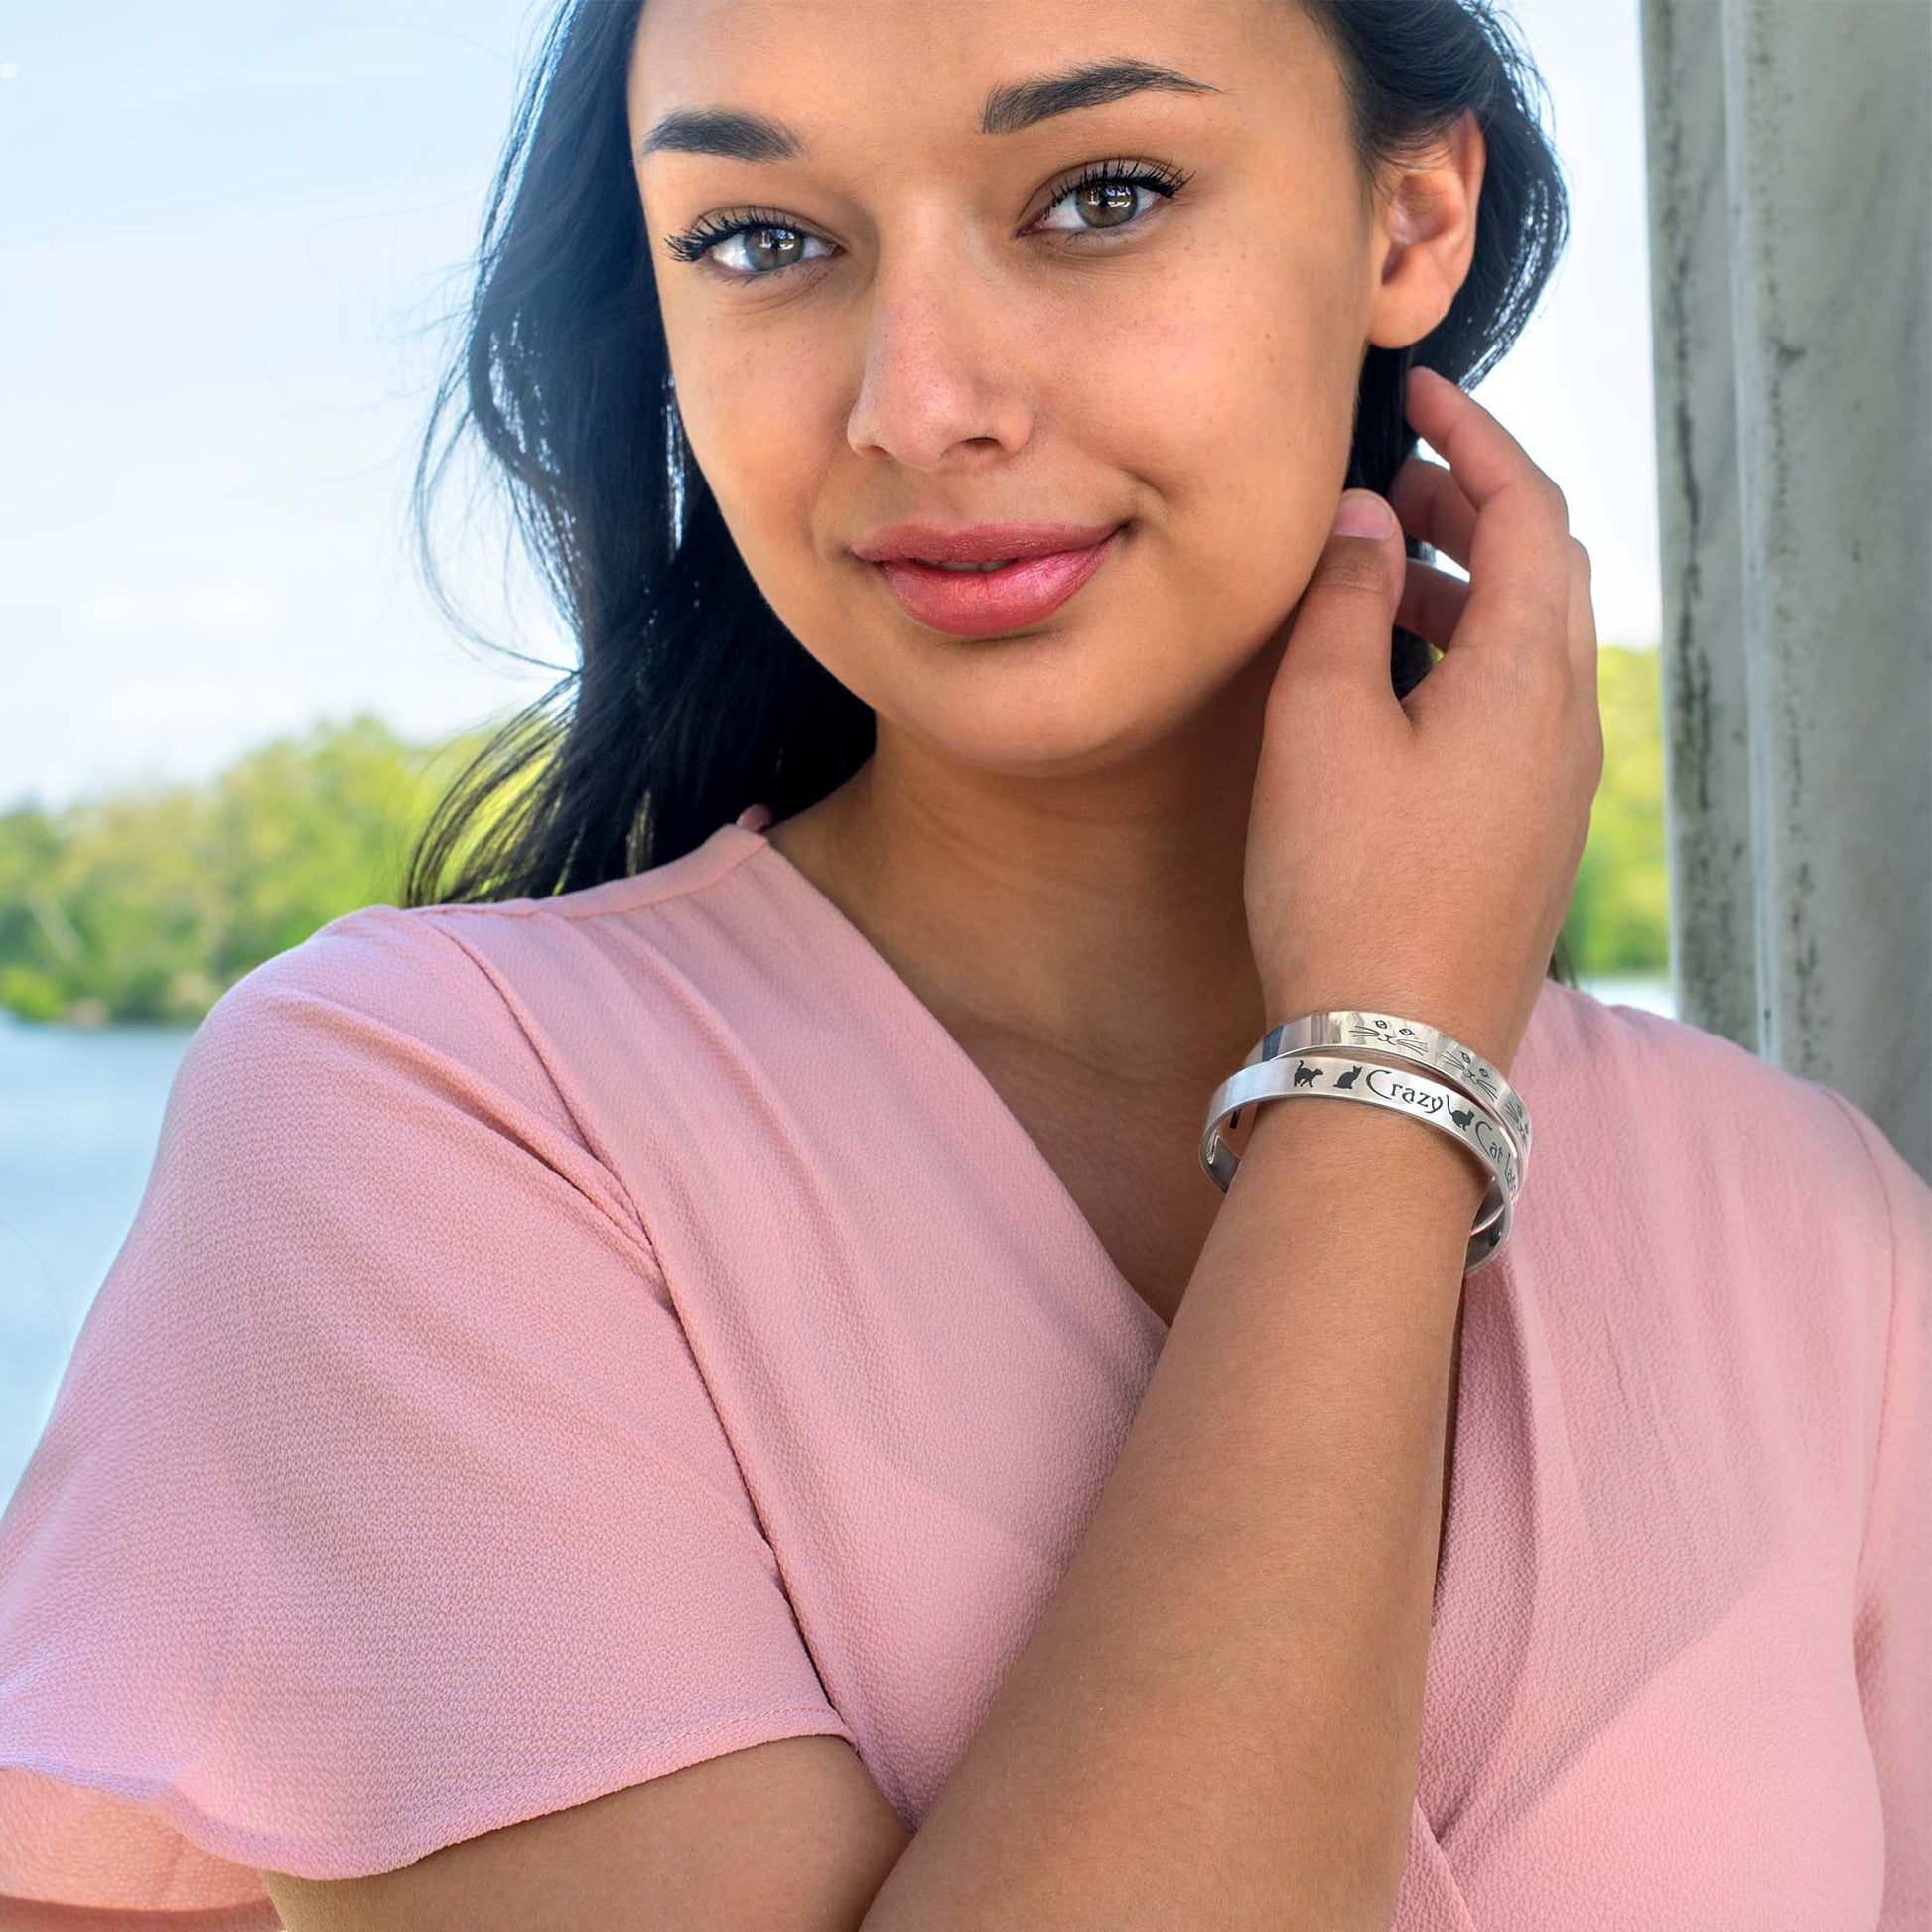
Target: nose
{"points": [[940, 368]]}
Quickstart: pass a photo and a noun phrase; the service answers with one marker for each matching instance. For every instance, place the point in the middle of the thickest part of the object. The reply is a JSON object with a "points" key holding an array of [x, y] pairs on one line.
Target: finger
{"points": [[1432, 506], [1584, 658], [1582, 621], [1519, 573], [1432, 602], [1341, 625]]}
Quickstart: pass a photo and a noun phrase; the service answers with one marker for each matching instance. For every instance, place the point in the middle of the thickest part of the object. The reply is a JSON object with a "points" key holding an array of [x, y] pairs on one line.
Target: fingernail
{"points": [[1362, 513]]}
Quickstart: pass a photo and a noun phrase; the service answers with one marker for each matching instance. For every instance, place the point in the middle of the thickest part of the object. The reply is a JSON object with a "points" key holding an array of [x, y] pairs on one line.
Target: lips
{"points": [[983, 603], [979, 543]]}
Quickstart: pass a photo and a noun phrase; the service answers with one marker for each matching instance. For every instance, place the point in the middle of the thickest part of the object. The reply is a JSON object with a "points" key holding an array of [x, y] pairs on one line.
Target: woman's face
{"points": [[930, 321]]}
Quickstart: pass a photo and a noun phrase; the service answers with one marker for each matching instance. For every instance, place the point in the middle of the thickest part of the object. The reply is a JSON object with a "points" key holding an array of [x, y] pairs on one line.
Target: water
{"points": [[80, 1115]]}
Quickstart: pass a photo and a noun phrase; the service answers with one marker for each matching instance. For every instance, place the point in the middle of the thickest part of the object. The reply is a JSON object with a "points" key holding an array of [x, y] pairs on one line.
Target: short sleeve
{"points": [[382, 1502], [1892, 1628]]}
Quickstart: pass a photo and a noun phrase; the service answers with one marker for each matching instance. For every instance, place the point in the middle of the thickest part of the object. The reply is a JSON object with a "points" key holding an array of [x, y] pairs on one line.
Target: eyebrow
{"points": [[740, 135]]}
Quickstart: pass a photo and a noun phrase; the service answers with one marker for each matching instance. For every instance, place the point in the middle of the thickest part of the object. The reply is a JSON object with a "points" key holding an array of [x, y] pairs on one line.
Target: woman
{"points": [[693, 1377]]}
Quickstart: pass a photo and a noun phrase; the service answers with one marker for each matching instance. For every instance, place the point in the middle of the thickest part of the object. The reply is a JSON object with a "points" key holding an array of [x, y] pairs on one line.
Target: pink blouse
{"points": [[567, 1340]]}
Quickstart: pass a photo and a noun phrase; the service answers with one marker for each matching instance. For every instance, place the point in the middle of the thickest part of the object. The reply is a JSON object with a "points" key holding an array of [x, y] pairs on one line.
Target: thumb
{"points": [[1343, 621]]}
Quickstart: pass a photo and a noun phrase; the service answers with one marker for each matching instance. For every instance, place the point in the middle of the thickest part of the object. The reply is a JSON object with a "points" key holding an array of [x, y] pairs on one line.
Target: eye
{"points": [[766, 227], [1106, 188]]}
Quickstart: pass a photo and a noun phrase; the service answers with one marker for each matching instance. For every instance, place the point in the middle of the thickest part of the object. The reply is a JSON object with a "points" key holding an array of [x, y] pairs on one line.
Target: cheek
{"points": [[1244, 406], [762, 440], [768, 438], [746, 416]]}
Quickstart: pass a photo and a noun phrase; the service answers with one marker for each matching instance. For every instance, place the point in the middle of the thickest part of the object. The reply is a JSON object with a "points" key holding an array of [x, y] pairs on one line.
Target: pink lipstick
{"points": [[984, 602]]}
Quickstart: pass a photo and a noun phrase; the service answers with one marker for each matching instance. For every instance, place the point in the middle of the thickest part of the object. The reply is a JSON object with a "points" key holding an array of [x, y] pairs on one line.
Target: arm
{"points": [[1216, 1720]]}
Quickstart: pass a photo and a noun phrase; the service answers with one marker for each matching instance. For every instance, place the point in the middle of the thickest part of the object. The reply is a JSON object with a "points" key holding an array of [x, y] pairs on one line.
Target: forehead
{"points": [[955, 74]]}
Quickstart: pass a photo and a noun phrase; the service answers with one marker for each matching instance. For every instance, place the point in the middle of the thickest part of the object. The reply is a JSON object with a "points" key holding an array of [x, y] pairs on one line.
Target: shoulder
{"points": [[392, 1038], [381, 987], [1691, 1157], [385, 1055], [401, 966], [1658, 1089], [461, 982], [457, 974], [1680, 1146]]}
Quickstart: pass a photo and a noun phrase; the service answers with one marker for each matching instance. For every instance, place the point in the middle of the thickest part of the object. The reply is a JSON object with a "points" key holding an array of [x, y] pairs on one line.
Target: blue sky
{"points": [[231, 232]]}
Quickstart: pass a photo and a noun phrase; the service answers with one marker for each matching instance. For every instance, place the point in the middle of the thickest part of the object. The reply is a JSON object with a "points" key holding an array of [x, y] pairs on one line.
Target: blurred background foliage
{"points": [[145, 905], [1619, 915]]}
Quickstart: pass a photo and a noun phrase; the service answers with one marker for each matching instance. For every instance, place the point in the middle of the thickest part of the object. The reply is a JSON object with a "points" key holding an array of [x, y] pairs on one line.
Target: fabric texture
{"points": [[565, 1340]]}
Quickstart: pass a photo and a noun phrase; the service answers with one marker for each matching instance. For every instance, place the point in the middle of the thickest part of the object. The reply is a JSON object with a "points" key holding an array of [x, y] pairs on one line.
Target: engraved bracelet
{"points": [[1358, 1032], [1332, 1076]]}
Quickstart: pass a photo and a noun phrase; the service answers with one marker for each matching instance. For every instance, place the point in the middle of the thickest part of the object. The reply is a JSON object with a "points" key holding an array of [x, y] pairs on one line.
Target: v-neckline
{"points": [[967, 1077], [913, 1016]]}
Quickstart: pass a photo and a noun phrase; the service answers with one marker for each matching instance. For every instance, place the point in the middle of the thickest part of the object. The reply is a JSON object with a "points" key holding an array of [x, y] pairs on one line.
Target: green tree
{"points": [[1619, 915], [146, 906]]}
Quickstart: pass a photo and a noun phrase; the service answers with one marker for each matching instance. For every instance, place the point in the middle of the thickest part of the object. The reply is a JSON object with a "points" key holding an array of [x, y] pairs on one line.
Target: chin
{"points": [[1040, 720]]}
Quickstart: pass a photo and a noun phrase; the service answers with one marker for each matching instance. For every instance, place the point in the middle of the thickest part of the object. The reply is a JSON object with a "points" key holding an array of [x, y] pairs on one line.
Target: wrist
{"points": [[1336, 1145]]}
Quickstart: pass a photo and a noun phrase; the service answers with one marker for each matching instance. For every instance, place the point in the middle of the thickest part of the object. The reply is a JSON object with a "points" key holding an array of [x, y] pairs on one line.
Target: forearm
{"points": [[1216, 1720]]}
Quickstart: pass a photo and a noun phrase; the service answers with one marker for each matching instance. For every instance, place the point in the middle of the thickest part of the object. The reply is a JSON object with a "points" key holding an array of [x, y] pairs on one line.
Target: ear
{"points": [[1424, 235]]}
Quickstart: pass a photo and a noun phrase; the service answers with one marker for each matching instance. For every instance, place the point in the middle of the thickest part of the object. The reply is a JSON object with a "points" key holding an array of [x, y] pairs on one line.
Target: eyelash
{"points": [[713, 232]]}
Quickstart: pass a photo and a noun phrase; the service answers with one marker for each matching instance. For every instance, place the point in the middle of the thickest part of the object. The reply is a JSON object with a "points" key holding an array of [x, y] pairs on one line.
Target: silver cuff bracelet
{"points": [[1290, 1061], [1358, 1032]]}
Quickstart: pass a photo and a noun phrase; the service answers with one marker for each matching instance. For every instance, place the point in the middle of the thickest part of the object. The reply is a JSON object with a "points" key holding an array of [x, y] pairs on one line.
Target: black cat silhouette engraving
{"points": [[1462, 1120], [1348, 1079], [1305, 1075]]}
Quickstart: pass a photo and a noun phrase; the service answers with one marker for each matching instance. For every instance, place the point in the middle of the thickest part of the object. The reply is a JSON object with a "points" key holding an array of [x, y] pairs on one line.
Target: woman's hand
{"points": [[1418, 856]]}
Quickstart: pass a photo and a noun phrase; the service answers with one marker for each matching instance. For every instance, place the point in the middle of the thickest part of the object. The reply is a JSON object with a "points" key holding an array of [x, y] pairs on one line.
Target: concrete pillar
{"points": [[1790, 154]]}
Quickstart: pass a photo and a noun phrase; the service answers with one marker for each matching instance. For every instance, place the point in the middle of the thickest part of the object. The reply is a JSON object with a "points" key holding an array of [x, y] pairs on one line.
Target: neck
{"points": [[1100, 919]]}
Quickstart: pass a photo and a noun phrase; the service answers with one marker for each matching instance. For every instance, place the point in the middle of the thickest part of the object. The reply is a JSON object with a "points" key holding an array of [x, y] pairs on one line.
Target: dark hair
{"points": [[691, 700]]}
